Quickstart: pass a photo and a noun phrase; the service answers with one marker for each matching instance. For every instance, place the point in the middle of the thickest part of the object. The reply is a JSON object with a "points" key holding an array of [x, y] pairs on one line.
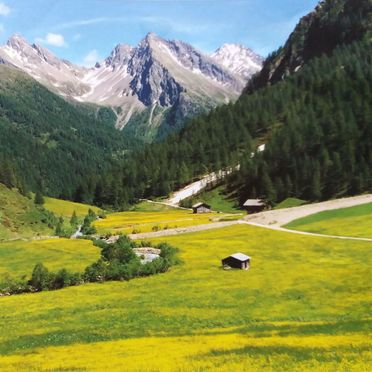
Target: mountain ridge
{"points": [[168, 74]]}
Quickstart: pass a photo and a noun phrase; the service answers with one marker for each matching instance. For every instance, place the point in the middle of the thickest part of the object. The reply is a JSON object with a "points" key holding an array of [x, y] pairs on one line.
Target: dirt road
{"points": [[183, 230], [281, 217], [272, 219]]}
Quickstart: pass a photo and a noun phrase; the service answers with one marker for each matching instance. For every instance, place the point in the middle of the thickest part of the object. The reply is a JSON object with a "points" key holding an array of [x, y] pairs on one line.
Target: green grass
{"points": [[354, 221], [289, 203], [66, 208], [304, 305], [218, 199], [18, 258], [19, 217], [145, 206]]}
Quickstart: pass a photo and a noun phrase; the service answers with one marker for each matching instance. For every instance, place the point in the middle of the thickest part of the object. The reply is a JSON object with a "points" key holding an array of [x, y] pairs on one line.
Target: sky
{"points": [[85, 31]]}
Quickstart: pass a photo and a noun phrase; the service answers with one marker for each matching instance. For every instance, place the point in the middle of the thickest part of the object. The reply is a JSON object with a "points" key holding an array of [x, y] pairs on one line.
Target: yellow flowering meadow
{"points": [[304, 305]]}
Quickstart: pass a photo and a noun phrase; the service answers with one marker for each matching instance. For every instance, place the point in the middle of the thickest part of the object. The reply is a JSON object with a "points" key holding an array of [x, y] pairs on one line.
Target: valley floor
{"points": [[304, 305]]}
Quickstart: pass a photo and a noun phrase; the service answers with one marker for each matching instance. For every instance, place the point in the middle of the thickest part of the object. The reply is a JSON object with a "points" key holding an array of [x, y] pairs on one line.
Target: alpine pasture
{"points": [[135, 222], [353, 221], [303, 305], [18, 258]]}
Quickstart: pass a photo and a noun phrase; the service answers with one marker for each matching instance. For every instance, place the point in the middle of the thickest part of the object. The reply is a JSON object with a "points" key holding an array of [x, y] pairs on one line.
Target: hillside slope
{"points": [[332, 23], [51, 141], [20, 218]]}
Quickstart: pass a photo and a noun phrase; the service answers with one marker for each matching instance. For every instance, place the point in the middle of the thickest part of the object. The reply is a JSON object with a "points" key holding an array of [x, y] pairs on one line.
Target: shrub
{"points": [[40, 279]]}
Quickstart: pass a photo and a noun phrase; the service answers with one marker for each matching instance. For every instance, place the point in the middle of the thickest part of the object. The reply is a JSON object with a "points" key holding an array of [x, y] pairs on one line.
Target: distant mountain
{"points": [[159, 83], [332, 23], [238, 59]]}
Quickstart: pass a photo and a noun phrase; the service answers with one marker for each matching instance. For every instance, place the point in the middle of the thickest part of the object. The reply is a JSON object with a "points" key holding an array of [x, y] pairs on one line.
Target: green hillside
{"points": [[333, 23], [18, 258], [51, 143], [20, 218]]}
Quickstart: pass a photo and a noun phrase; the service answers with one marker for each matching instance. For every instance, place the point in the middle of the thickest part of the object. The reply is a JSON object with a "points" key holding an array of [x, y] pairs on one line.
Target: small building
{"points": [[237, 261], [254, 205], [201, 208]]}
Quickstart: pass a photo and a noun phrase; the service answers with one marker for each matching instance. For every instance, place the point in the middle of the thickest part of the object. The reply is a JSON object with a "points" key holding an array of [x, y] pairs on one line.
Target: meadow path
{"points": [[183, 230]]}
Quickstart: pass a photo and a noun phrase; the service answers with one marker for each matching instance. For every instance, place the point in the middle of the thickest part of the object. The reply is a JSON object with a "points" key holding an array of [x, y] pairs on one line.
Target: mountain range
{"points": [[152, 88]]}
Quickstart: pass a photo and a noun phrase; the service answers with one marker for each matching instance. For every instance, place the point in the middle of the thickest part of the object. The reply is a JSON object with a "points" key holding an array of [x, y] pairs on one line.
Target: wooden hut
{"points": [[254, 205], [237, 261], [201, 208]]}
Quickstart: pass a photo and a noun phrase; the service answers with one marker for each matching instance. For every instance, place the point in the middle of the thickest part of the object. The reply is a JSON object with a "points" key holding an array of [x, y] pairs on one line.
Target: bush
{"points": [[10, 286], [40, 279]]}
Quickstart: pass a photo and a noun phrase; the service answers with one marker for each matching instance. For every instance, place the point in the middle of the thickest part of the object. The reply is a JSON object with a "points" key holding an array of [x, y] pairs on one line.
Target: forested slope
{"points": [[47, 143]]}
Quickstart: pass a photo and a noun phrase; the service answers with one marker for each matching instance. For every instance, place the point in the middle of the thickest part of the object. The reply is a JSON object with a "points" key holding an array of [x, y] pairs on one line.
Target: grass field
{"points": [[145, 206], [290, 202], [66, 208], [304, 305], [19, 217], [354, 221], [18, 258], [140, 222], [218, 198]]}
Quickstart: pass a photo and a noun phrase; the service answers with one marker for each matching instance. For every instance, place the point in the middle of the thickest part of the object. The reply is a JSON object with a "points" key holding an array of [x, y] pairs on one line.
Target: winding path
{"points": [[280, 217], [273, 220]]}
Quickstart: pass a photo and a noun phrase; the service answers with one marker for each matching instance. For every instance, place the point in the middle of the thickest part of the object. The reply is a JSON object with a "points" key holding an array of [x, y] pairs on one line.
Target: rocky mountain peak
{"points": [[120, 56], [18, 43]]}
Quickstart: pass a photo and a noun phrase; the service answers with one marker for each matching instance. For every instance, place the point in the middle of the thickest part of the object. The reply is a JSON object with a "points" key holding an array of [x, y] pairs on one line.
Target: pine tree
{"points": [[74, 220], [39, 199]]}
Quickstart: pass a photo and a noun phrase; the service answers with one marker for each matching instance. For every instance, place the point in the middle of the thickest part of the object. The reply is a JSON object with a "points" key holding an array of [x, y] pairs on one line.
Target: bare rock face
{"points": [[157, 73], [120, 56], [152, 82]]}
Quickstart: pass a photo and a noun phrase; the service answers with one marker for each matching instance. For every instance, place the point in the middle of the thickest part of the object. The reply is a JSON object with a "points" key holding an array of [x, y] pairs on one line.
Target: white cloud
{"points": [[4, 9], [53, 39], [91, 58]]}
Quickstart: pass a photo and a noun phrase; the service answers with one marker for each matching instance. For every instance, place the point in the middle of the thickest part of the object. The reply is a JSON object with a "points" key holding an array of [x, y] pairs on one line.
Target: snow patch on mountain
{"points": [[238, 59]]}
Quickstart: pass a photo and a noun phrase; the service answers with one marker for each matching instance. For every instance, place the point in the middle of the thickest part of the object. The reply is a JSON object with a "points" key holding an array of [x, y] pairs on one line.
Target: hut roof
{"points": [[254, 203], [197, 205], [240, 256]]}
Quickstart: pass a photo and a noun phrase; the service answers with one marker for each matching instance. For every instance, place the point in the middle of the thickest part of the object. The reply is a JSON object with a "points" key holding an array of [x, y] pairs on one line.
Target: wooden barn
{"points": [[201, 208], [237, 261], [254, 205]]}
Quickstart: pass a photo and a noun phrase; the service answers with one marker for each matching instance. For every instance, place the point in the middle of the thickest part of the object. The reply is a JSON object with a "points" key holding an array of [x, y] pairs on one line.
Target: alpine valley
{"points": [[171, 210]]}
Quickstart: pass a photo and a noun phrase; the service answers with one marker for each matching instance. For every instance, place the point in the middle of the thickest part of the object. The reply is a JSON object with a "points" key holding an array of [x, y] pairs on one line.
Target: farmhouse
{"points": [[254, 205], [201, 208], [237, 261]]}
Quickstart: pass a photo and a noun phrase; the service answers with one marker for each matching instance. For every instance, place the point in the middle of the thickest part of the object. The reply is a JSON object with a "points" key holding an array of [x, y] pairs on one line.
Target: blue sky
{"points": [[86, 30]]}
